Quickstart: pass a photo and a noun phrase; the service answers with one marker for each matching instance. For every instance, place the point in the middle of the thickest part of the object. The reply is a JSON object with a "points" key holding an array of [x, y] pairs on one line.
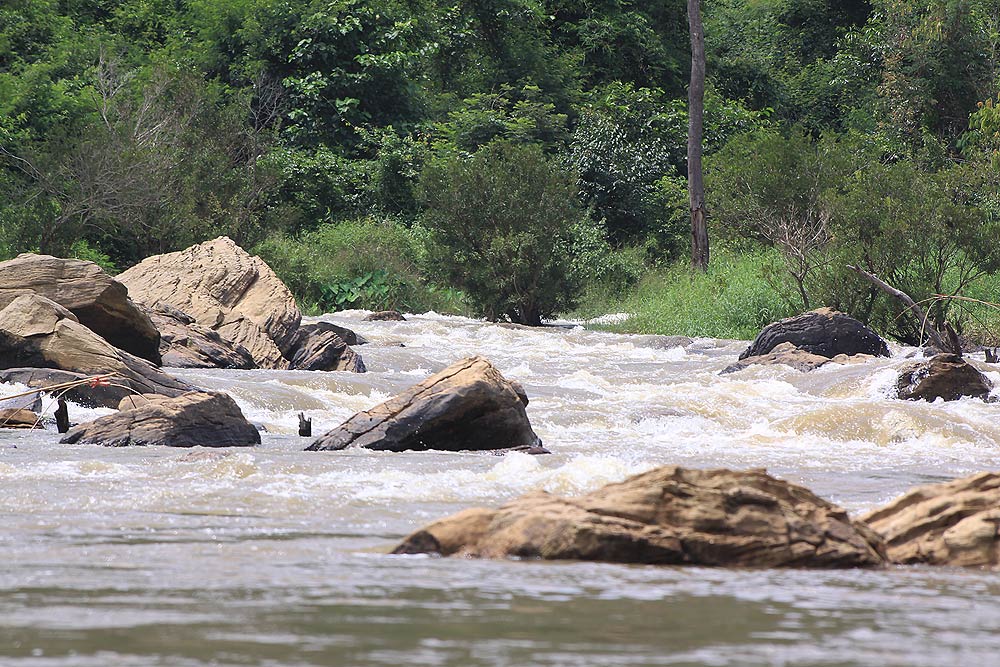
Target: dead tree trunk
{"points": [[696, 112]]}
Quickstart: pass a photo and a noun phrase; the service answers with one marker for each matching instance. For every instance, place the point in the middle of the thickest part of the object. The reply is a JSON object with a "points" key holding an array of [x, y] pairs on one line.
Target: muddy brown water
{"points": [[277, 557]]}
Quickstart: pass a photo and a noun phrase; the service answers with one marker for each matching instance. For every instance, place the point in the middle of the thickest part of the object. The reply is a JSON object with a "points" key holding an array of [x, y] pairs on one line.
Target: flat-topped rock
{"points": [[194, 419], [98, 301], [667, 516], [952, 523], [786, 354], [467, 406], [19, 418], [226, 289], [823, 332]]}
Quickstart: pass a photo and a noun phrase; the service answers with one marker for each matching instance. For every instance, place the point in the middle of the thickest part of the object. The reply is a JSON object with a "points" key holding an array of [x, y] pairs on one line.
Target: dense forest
{"points": [[516, 158]]}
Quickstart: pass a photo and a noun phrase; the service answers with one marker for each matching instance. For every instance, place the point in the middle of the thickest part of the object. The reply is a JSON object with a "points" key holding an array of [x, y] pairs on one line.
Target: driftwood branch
{"points": [[911, 305]]}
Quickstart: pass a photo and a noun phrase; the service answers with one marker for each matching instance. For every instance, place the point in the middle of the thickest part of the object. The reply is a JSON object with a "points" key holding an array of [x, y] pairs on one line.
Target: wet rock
{"points": [[953, 523], [822, 332], [660, 342], [19, 418], [350, 337], [37, 332], [667, 516], [784, 354], [467, 406], [186, 344], [385, 316], [223, 288], [100, 396], [32, 402], [194, 419], [318, 347], [98, 301], [945, 376]]}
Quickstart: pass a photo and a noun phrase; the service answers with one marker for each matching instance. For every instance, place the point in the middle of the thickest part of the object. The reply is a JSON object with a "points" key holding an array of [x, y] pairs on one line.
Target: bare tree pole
{"points": [[696, 113]]}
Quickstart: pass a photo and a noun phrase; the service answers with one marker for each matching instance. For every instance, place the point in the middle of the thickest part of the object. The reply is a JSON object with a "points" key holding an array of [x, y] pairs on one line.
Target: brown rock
{"points": [[667, 516], [205, 419], [784, 354], [384, 316], [37, 332], [953, 523], [19, 418], [823, 332], [946, 376], [467, 406], [318, 347], [186, 344], [98, 301], [223, 288], [103, 396]]}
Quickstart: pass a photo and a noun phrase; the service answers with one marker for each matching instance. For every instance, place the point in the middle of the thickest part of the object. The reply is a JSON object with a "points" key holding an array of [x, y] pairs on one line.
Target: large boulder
{"points": [[226, 289], [822, 332], [945, 376], [319, 347], [37, 332], [953, 523], [667, 516], [194, 419], [98, 301], [467, 406], [186, 344], [91, 396]]}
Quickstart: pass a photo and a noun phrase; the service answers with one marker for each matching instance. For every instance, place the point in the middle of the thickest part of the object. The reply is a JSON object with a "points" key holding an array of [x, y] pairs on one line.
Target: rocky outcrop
{"points": [[318, 347], [667, 516], [467, 406], [786, 354], [37, 332], [186, 344], [946, 376], [223, 288], [98, 396], [954, 523], [384, 316], [98, 301], [194, 419], [823, 332], [19, 418]]}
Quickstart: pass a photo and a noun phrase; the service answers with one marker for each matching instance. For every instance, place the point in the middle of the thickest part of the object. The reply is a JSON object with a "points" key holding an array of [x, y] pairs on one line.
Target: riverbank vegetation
{"points": [[519, 159]]}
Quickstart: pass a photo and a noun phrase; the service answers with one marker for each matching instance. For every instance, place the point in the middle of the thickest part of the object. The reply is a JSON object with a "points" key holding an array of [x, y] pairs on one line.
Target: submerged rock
{"points": [[19, 418], [945, 376], [667, 516], [385, 316], [98, 301], [205, 419], [37, 332], [186, 344], [319, 347], [953, 523], [226, 289], [467, 406], [823, 332], [786, 354]]}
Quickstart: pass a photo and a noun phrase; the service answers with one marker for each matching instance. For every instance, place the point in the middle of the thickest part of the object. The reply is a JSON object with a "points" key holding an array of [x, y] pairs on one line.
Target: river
{"points": [[273, 556]]}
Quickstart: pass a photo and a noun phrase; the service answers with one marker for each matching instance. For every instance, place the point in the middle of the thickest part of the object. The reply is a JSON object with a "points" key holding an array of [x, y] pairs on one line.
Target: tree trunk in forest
{"points": [[696, 111]]}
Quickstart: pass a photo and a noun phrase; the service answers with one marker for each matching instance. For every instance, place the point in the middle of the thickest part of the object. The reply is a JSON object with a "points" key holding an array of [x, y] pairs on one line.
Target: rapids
{"points": [[273, 556]]}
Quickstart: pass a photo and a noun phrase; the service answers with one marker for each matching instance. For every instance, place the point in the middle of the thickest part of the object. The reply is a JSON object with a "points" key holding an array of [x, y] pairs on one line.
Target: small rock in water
{"points": [[945, 376], [385, 316]]}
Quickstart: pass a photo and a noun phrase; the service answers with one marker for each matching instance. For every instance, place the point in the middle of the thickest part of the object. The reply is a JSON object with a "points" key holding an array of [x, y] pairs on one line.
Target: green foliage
{"points": [[505, 221], [83, 250]]}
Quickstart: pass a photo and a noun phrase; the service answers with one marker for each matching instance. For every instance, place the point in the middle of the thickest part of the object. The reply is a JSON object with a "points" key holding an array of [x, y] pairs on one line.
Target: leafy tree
{"points": [[505, 220]]}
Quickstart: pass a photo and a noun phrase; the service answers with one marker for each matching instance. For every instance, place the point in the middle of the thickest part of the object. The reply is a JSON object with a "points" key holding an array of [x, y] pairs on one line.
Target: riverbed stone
{"points": [[951, 523], [319, 347], [667, 516], [945, 376], [186, 344], [467, 406], [97, 300], [19, 418], [193, 419], [384, 316], [226, 289], [823, 332], [37, 332]]}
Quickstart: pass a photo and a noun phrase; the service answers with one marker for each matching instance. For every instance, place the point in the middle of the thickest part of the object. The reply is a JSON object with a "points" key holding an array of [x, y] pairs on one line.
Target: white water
{"points": [[274, 556]]}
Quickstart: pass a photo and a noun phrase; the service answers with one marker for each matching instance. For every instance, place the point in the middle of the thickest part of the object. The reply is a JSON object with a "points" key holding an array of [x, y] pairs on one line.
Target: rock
{"points": [[19, 418], [92, 397], [223, 288], [186, 344], [346, 335], [318, 347], [659, 342], [823, 332], [37, 332], [953, 523], [32, 402], [98, 301], [784, 354], [194, 419], [385, 316], [946, 376], [467, 406], [667, 516]]}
